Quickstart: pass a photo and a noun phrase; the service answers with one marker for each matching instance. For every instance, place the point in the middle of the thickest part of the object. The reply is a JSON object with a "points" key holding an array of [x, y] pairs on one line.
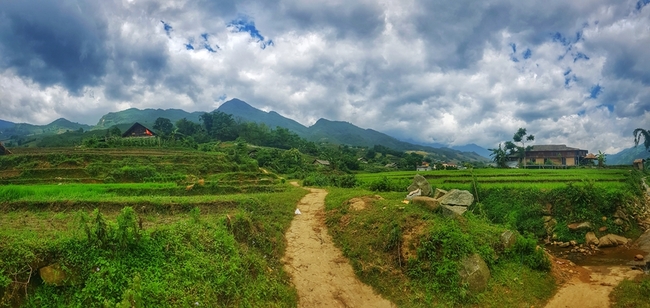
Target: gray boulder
{"points": [[419, 182], [457, 197], [475, 272], [439, 193], [451, 211], [508, 239]]}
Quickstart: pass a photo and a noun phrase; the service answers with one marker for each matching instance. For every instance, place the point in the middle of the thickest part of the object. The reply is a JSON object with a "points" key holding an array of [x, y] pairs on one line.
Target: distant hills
{"points": [[323, 131], [146, 117], [8, 129], [627, 156]]}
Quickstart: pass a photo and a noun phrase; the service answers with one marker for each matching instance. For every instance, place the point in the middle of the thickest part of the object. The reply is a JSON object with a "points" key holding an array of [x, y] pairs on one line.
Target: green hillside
{"points": [[627, 156], [145, 117]]}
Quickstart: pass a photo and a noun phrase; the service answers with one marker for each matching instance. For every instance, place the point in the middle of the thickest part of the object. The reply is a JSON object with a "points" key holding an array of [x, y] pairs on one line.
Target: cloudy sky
{"points": [[455, 72]]}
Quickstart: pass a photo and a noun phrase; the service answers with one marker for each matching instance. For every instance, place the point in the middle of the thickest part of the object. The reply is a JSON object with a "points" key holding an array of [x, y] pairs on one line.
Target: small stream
{"points": [[610, 256]]}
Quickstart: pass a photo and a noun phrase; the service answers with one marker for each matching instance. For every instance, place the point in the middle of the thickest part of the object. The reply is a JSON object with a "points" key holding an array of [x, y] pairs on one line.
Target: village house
{"points": [[138, 130], [555, 154], [423, 167], [3, 150], [323, 163], [639, 163]]}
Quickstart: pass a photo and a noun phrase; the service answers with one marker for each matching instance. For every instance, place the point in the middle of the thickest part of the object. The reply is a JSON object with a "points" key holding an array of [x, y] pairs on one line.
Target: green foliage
{"points": [[528, 253], [632, 293], [336, 180]]}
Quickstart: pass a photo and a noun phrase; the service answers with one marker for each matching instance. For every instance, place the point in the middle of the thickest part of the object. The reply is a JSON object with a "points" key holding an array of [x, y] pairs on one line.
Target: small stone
{"points": [[602, 229], [638, 257], [604, 218], [618, 222], [573, 243], [564, 244]]}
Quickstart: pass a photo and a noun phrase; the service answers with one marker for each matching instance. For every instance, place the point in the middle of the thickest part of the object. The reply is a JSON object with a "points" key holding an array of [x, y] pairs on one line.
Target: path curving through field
{"points": [[322, 276]]}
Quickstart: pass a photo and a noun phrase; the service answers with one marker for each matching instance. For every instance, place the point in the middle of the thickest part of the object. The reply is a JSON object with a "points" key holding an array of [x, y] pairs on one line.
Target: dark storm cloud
{"points": [[54, 42]]}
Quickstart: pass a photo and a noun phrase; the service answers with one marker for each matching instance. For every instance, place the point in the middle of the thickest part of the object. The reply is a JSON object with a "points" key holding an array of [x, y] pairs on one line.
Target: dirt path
{"points": [[590, 288], [322, 276]]}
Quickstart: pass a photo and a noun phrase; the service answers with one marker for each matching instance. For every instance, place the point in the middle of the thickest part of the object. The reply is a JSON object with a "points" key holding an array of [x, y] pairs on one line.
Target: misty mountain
{"points": [[463, 148], [627, 156]]}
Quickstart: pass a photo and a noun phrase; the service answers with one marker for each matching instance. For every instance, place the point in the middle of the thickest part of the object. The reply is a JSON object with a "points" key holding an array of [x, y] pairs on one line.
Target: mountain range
{"points": [[323, 131]]}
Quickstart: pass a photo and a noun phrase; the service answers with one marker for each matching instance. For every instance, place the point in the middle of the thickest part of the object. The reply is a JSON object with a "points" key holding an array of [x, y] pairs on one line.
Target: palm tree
{"points": [[638, 133], [499, 156]]}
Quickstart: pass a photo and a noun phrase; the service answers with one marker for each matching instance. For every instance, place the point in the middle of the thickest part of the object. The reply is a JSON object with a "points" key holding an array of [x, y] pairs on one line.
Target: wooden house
{"points": [[138, 130], [556, 154], [3, 150]]}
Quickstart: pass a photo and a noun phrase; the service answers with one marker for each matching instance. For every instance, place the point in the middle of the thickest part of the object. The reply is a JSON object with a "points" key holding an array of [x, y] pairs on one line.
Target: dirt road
{"points": [[591, 287], [322, 276]]}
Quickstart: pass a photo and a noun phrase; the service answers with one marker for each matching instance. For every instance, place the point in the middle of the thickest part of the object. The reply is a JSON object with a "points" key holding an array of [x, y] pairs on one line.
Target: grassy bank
{"points": [[411, 255], [225, 255]]}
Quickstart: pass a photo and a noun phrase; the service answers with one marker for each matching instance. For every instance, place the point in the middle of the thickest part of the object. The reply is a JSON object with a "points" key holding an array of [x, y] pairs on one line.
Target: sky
{"points": [[452, 72]]}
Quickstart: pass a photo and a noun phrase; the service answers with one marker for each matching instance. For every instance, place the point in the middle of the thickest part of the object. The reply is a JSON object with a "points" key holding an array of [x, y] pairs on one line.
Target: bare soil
{"points": [[322, 276], [590, 286]]}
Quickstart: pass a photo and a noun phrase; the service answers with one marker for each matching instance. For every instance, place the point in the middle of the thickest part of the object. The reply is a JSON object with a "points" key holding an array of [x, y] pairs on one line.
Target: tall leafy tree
{"points": [[638, 133], [164, 126], [499, 156], [520, 137], [602, 158]]}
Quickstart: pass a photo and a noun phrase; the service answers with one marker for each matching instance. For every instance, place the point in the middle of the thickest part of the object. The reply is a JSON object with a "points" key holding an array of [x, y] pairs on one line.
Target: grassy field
{"points": [[489, 178], [179, 227]]}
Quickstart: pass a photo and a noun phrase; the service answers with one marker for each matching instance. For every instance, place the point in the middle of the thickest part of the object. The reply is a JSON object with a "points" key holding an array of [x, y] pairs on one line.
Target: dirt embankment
{"points": [[322, 276]]}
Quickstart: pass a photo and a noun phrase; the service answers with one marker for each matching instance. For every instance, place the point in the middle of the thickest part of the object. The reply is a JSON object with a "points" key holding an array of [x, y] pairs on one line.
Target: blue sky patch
{"points": [[595, 91], [514, 47], [579, 56], [243, 24], [168, 28], [568, 71], [641, 4], [527, 54], [557, 37], [189, 46], [608, 106]]}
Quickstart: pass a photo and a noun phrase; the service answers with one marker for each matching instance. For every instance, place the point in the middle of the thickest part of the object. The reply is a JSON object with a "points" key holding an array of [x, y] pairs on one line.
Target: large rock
{"points": [[419, 182], [439, 193], [611, 240], [475, 272], [590, 238], [508, 239], [457, 197], [580, 226], [429, 202], [451, 211], [53, 274]]}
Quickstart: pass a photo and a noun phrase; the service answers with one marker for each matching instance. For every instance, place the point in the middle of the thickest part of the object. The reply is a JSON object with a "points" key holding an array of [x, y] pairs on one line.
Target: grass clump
{"points": [[631, 293]]}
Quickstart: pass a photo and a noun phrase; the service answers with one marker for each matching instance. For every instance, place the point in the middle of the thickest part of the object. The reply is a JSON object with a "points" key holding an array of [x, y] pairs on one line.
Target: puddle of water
{"points": [[611, 256]]}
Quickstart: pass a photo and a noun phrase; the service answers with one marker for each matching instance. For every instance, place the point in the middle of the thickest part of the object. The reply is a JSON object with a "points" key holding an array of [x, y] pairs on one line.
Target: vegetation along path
{"points": [[322, 276]]}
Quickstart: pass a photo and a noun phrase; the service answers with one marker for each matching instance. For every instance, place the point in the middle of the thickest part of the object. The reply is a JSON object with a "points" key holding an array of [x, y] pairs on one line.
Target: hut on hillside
{"points": [[323, 163], [638, 163], [138, 130], [3, 150]]}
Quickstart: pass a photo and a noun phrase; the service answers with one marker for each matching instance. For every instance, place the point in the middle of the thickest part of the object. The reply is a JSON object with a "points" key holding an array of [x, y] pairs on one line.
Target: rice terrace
{"points": [[160, 223]]}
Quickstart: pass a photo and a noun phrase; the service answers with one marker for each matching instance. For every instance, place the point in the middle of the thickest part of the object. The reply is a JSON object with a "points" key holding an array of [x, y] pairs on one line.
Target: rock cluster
{"points": [[453, 203]]}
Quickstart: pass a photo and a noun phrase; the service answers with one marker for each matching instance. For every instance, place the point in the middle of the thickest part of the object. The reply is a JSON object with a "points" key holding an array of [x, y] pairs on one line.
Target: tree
{"points": [[164, 126], [499, 156], [638, 133], [520, 137], [601, 158]]}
